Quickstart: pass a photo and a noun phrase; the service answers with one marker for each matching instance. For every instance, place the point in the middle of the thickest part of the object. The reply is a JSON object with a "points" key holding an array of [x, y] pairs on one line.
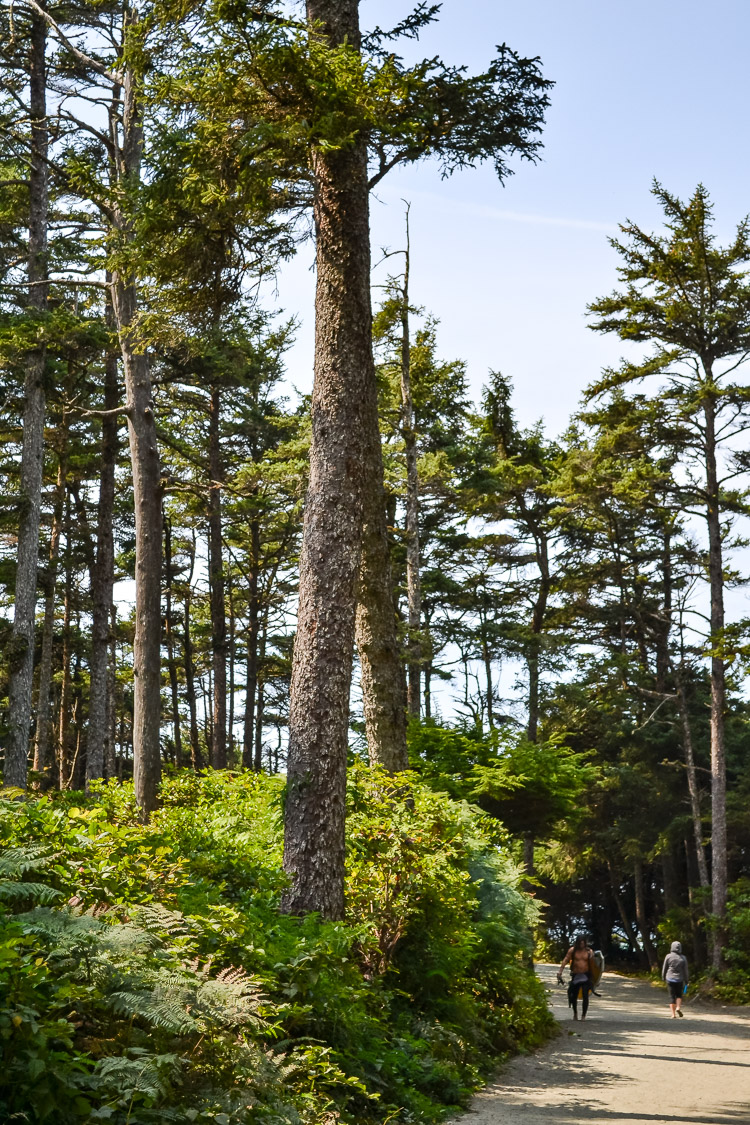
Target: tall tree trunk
{"points": [[44, 721], [77, 735], [251, 690], [413, 560], [208, 711], [144, 456], [32, 455], [169, 632], [259, 721], [196, 757], [231, 652], [718, 692], [261, 698], [329, 564], [111, 747], [692, 778], [216, 587], [64, 766], [664, 666], [487, 661], [641, 916], [382, 674], [251, 682], [103, 579]]}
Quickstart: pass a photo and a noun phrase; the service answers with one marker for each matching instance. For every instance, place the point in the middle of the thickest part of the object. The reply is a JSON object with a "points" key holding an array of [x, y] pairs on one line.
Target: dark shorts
{"points": [[584, 986], [676, 989]]}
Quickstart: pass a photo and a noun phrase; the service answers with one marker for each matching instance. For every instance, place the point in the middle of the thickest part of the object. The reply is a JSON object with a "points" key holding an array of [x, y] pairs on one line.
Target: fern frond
{"points": [[124, 939], [162, 1012], [11, 891], [150, 1075], [232, 975], [230, 1002], [158, 919], [62, 927], [17, 862]]}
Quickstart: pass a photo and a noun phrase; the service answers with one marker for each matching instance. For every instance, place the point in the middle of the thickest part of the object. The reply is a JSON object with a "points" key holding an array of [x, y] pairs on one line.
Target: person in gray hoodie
{"points": [[675, 972]]}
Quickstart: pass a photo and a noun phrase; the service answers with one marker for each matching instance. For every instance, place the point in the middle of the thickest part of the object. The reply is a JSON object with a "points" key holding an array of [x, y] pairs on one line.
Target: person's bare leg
{"points": [[679, 1006], [672, 1008]]}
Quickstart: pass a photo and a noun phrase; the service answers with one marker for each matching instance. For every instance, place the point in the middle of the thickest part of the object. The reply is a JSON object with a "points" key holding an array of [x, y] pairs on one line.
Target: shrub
{"points": [[146, 972]]}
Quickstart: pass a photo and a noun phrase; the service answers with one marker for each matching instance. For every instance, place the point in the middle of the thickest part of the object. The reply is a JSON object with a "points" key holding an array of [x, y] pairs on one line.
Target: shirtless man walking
{"points": [[581, 960]]}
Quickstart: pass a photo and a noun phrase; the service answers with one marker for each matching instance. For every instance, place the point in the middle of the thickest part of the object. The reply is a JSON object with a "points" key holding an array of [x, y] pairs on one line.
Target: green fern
{"points": [[15, 864], [151, 1076], [159, 1007], [159, 920]]}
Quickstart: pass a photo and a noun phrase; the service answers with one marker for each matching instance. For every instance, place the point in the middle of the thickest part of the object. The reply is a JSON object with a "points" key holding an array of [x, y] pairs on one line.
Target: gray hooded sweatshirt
{"points": [[675, 967]]}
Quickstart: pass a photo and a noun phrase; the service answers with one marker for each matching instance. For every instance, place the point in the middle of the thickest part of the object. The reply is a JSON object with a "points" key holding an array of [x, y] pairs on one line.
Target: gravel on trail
{"points": [[629, 1063]]}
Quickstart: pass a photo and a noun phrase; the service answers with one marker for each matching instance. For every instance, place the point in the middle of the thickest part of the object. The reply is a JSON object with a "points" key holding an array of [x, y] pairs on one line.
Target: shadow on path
{"points": [[627, 1064]]}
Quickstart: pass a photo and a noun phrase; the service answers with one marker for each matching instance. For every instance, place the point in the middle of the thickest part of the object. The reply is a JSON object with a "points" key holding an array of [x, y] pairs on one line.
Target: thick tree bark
{"points": [[32, 456], [44, 721], [144, 456], [329, 564], [216, 588], [718, 692], [103, 579], [382, 674]]}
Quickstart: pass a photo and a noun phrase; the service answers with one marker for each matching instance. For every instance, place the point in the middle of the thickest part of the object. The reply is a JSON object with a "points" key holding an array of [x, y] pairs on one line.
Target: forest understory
{"points": [[321, 715]]}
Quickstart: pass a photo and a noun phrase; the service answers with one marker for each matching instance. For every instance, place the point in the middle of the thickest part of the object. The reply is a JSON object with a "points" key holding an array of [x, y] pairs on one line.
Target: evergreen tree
{"points": [[690, 299]]}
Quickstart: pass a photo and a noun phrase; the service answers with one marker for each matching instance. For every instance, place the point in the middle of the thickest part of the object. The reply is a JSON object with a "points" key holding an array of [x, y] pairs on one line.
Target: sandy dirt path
{"points": [[628, 1064]]}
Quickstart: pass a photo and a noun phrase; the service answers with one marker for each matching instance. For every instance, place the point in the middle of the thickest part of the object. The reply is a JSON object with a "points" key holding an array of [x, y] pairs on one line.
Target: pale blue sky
{"points": [[642, 90]]}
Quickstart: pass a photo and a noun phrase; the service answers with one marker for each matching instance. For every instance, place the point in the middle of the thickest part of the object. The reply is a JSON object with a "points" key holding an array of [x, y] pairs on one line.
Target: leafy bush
{"points": [[733, 985], [146, 973]]}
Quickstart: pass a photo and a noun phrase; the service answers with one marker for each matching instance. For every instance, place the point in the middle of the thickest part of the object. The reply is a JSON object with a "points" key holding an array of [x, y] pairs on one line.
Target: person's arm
{"points": [[566, 958], [686, 971], [664, 969]]}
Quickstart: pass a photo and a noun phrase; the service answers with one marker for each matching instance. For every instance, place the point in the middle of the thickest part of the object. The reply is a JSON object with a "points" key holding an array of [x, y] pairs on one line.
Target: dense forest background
{"points": [[567, 634]]}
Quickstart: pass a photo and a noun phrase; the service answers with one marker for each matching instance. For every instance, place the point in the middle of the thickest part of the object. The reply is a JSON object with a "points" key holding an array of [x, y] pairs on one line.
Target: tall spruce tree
{"points": [[32, 456], [690, 298]]}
